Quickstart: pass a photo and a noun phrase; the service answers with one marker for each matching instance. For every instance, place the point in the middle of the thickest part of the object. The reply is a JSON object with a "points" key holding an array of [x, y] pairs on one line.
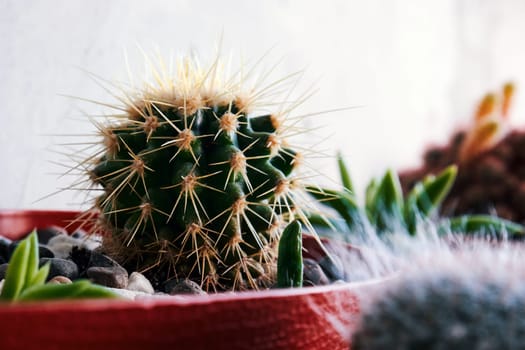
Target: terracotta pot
{"points": [[302, 318]]}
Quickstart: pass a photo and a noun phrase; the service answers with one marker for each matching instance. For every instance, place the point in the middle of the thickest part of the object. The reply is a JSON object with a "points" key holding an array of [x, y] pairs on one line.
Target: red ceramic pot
{"points": [[301, 318]]}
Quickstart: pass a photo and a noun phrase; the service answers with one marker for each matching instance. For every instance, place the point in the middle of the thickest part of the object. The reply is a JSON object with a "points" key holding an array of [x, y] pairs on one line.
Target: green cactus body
{"points": [[194, 185]]}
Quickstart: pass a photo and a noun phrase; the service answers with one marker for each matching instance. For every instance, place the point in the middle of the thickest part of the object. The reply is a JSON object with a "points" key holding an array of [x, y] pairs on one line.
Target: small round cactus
{"points": [[193, 184], [474, 302]]}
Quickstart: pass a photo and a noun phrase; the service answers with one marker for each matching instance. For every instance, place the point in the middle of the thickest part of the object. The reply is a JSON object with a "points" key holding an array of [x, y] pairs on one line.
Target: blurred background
{"points": [[412, 69]]}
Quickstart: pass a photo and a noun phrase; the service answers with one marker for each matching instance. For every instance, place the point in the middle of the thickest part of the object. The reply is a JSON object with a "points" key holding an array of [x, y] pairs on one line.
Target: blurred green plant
{"points": [[387, 210], [25, 281]]}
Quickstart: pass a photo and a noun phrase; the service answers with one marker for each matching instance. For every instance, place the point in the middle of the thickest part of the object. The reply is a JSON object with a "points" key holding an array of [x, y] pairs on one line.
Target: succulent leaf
{"points": [[342, 202], [346, 180], [386, 206], [24, 281], [80, 289], [486, 224], [387, 211], [32, 259], [40, 277], [15, 276], [426, 196], [290, 258], [370, 193]]}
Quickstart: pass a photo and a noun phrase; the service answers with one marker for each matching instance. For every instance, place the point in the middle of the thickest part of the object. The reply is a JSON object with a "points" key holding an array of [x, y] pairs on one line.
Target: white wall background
{"points": [[415, 68]]}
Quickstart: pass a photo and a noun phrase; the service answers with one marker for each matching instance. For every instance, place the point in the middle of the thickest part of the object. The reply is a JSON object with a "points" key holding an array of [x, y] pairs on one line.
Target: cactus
{"points": [[194, 185], [461, 306]]}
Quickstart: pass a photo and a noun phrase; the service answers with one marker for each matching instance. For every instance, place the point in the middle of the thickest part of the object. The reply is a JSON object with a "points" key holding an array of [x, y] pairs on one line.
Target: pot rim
{"points": [[173, 300], [148, 302]]}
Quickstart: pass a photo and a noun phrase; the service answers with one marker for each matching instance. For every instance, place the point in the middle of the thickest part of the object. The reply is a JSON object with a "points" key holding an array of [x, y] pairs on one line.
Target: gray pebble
{"points": [[79, 234], [129, 294], [62, 245], [92, 242], [137, 282], [45, 234], [5, 243], [3, 269], [101, 260], [43, 251], [60, 267], [113, 277], [183, 286], [313, 274], [332, 267], [339, 282]]}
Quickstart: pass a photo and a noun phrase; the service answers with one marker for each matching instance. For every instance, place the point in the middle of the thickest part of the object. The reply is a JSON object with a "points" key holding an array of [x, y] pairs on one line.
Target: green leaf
{"points": [[77, 290], [96, 292], [342, 202], [345, 174], [426, 196], [325, 222], [386, 207], [54, 291], [25, 281], [290, 258], [481, 224], [16, 272], [370, 193], [32, 259], [429, 194], [40, 277]]}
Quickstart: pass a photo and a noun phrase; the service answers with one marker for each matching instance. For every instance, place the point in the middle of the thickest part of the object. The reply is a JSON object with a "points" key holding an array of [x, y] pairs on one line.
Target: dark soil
{"points": [[492, 182]]}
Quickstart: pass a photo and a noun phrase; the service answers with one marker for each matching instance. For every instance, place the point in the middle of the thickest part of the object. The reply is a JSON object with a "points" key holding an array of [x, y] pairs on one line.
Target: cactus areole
{"points": [[194, 185]]}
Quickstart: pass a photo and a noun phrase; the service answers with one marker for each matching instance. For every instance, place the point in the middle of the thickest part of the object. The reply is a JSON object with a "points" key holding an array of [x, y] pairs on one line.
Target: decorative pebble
{"points": [[114, 277], [92, 242], [43, 251], [101, 260], [81, 257], [62, 245], [339, 282], [60, 267], [3, 269], [183, 286], [5, 243], [60, 280], [313, 274], [137, 282], [79, 234], [45, 234], [129, 294], [1, 285], [332, 268]]}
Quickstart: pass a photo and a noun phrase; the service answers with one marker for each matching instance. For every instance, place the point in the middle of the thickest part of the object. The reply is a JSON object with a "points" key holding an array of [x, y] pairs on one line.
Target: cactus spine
{"points": [[193, 184]]}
